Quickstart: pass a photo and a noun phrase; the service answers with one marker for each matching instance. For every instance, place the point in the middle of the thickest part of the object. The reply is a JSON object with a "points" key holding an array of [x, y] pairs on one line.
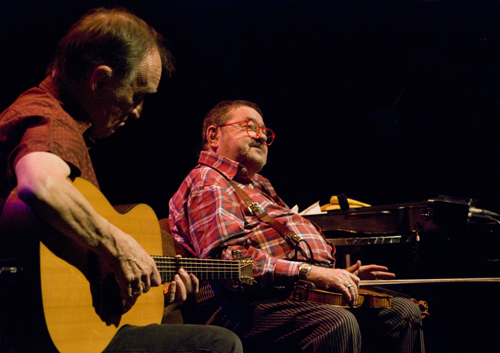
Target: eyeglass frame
{"points": [[259, 130]]}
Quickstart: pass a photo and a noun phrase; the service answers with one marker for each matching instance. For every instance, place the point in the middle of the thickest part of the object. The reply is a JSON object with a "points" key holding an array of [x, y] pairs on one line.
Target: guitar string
{"points": [[185, 260], [191, 259], [174, 263], [195, 264], [199, 267]]}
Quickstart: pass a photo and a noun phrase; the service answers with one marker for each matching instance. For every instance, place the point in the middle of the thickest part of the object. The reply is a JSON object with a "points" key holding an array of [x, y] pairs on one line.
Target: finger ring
{"points": [[349, 286]]}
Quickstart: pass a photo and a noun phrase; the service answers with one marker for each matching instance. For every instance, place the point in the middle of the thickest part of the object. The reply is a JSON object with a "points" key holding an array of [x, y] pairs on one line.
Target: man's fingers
{"points": [[137, 288], [383, 275], [182, 284], [146, 283], [135, 281], [186, 280], [354, 267], [166, 286], [130, 287], [171, 292], [354, 279], [196, 283], [180, 293], [154, 277], [352, 291], [349, 296]]}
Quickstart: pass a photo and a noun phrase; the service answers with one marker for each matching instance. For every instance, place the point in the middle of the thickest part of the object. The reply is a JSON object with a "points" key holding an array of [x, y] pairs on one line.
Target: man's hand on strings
{"points": [[181, 287]]}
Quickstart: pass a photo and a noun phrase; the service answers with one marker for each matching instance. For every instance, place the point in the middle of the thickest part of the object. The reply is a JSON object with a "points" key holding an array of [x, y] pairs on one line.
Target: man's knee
{"points": [[224, 340], [329, 318], [340, 331], [407, 309]]}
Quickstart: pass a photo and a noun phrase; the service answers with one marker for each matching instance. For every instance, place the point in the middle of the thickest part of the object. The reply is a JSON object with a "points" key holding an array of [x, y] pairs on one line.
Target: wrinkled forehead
{"points": [[244, 113], [149, 71]]}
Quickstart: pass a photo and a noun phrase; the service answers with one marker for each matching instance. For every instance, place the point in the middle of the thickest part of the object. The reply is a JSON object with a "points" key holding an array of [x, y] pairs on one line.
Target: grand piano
{"points": [[439, 238], [443, 236]]}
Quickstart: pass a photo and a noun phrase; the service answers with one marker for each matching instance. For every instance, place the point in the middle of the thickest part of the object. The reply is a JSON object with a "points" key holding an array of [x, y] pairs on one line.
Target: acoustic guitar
{"points": [[54, 305]]}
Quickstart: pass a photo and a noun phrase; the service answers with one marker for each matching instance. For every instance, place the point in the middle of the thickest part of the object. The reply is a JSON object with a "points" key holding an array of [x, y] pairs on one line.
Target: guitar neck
{"points": [[204, 269]]}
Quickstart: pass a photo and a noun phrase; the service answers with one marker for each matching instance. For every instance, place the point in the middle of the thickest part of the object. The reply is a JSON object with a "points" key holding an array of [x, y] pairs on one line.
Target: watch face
{"points": [[304, 269]]}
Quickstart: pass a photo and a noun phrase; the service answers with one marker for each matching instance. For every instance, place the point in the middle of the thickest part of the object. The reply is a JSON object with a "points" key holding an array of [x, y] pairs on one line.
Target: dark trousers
{"points": [[275, 326], [185, 338]]}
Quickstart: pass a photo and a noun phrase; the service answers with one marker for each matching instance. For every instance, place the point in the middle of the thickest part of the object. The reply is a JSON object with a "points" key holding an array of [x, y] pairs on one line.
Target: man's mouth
{"points": [[256, 144], [121, 122]]}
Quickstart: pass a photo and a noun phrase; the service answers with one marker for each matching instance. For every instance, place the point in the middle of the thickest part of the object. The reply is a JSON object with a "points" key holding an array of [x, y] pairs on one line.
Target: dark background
{"points": [[386, 101]]}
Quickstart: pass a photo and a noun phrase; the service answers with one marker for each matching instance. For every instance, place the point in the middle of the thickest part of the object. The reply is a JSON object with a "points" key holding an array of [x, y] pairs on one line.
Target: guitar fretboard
{"points": [[204, 269]]}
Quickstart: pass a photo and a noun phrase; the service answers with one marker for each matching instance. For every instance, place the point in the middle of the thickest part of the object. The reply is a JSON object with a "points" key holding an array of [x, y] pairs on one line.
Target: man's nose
{"points": [[262, 135], [136, 113]]}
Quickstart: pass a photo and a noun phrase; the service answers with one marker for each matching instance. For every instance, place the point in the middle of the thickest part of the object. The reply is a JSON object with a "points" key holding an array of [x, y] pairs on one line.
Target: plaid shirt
{"points": [[210, 219]]}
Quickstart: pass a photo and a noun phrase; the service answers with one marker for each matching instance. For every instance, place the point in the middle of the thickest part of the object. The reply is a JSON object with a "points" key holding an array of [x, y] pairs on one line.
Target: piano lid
{"points": [[397, 219]]}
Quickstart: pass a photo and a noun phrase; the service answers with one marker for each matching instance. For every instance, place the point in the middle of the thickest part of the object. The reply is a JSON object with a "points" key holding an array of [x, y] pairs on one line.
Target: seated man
{"points": [[104, 67], [210, 218]]}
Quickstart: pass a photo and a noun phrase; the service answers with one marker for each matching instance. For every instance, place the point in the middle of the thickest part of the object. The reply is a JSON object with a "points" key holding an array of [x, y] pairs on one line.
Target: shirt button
{"points": [[244, 170]]}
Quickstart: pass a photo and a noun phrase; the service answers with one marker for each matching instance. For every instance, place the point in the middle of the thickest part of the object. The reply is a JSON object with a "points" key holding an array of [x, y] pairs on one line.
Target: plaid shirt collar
{"points": [[232, 170]]}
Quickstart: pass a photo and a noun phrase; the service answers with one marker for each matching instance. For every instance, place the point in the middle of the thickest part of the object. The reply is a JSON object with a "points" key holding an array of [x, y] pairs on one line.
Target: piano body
{"points": [[443, 237], [440, 237]]}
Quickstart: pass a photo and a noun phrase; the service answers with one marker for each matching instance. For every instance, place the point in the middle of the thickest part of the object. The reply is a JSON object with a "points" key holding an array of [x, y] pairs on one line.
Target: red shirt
{"points": [[38, 121], [210, 219]]}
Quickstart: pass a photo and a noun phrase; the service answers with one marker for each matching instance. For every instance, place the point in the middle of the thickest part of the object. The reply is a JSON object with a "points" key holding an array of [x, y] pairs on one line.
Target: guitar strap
{"points": [[255, 209], [263, 216]]}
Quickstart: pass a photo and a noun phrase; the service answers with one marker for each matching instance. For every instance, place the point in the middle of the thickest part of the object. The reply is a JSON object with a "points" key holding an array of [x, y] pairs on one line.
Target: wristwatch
{"points": [[304, 270]]}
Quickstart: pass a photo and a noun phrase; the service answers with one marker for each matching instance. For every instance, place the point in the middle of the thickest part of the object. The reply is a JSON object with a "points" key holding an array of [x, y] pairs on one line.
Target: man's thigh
{"points": [[294, 326], [174, 338]]}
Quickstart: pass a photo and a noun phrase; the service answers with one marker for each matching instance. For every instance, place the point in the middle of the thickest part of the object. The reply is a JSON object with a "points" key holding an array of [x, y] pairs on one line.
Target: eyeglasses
{"points": [[254, 130]]}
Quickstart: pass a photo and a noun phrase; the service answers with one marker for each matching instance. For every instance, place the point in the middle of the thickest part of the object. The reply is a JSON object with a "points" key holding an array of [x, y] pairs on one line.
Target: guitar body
{"points": [[66, 300]]}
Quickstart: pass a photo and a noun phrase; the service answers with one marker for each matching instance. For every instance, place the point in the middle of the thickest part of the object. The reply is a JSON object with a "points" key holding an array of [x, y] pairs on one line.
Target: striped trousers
{"points": [[288, 326]]}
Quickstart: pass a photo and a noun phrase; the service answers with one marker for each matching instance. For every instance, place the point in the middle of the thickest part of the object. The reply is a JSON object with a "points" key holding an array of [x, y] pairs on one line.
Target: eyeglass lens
{"points": [[254, 130]]}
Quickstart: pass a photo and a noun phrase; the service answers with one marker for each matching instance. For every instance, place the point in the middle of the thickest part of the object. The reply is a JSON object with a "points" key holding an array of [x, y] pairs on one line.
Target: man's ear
{"points": [[101, 76], [213, 136]]}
